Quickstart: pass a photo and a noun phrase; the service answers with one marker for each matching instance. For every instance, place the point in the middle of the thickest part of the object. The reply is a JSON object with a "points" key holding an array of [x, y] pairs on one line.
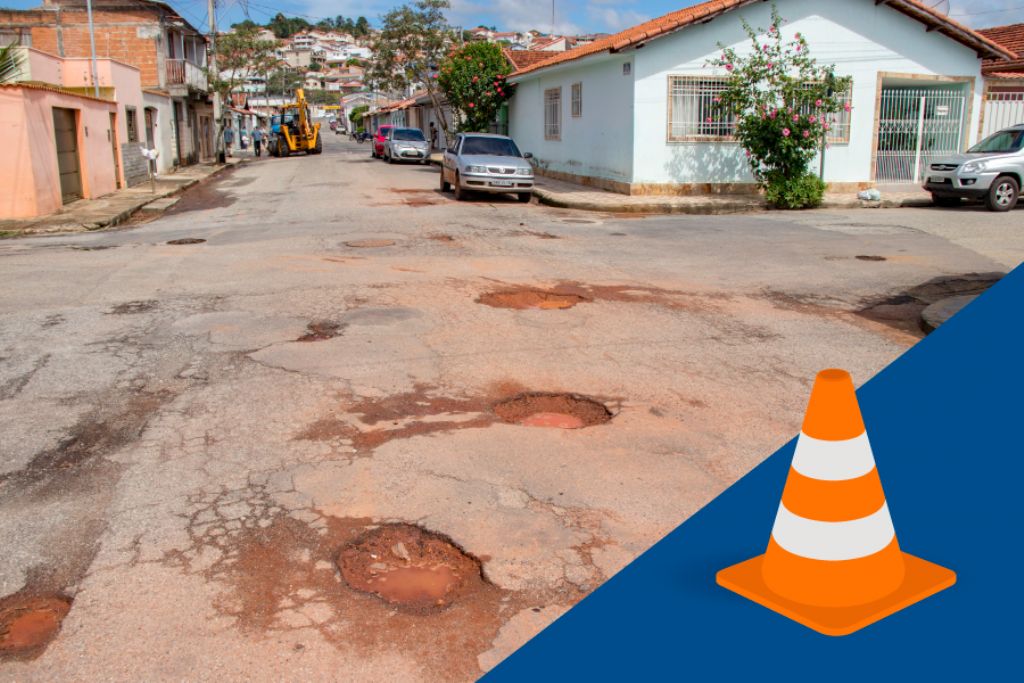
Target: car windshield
{"points": [[1001, 142], [383, 131], [408, 134], [497, 147]]}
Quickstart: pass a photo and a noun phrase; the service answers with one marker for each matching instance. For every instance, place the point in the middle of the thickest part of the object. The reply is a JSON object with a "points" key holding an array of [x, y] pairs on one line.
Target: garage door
{"points": [[66, 133]]}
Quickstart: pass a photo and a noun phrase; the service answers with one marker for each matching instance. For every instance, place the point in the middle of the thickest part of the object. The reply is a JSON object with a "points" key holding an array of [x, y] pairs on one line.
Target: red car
{"points": [[379, 138]]}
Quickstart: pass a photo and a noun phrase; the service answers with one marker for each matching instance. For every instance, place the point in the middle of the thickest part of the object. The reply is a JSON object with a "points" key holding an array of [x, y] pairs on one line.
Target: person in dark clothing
{"points": [[257, 139]]}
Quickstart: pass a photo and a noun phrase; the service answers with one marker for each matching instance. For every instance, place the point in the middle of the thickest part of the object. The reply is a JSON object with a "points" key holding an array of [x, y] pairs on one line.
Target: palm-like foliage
{"points": [[10, 63]]}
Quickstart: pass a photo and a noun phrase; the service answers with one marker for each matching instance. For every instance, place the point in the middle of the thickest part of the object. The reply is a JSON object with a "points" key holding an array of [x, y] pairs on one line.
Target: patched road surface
{"points": [[322, 422]]}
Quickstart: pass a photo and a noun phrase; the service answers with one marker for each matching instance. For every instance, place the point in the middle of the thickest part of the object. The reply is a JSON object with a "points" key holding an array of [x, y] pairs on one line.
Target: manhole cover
{"points": [[28, 624], [865, 257], [370, 244], [319, 330], [531, 298], [564, 411], [187, 240], [407, 566]]}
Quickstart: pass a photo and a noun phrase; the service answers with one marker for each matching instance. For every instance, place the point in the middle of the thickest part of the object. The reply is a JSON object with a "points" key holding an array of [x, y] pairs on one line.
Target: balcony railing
{"points": [[183, 72]]}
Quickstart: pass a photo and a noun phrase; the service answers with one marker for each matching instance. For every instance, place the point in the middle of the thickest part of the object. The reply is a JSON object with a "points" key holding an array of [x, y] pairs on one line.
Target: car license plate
{"points": [[501, 183], [937, 179]]}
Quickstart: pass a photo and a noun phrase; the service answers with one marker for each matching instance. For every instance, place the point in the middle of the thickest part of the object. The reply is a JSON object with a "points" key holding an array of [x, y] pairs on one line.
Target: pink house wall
{"points": [[29, 180]]}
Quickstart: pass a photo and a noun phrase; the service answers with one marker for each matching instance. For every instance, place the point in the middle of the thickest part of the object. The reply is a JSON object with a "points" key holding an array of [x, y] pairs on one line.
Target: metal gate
{"points": [[915, 126], [65, 131], [1003, 108]]}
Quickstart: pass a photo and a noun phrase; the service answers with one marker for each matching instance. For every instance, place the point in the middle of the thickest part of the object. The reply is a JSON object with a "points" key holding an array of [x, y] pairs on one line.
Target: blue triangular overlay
{"points": [[945, 421]]}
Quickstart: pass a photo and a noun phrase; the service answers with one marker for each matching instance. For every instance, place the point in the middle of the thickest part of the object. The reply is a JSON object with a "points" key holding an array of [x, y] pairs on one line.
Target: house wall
{"points": [[858, 36], [163, 133], [596, 146], [29, 180]]}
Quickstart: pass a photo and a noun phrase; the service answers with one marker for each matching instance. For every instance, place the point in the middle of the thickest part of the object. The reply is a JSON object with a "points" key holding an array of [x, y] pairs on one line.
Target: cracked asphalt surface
{"points": [[176, 458]]}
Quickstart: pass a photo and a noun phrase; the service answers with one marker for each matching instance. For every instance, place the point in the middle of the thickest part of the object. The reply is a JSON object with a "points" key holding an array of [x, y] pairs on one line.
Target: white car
{"points": [[406, 144], [481, 162]]}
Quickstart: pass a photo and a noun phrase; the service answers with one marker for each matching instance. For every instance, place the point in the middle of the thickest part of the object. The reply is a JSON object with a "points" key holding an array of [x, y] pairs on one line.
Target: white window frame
{"points": [[553, 113], [690, 104], [577, 100]]}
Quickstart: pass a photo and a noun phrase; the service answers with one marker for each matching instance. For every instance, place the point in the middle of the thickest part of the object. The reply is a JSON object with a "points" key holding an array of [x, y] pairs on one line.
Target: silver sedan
{"points": [[406, 144], [480, 162]]}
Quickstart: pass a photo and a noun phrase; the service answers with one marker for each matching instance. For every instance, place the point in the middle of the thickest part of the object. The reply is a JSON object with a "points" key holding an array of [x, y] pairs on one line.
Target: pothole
{"points": [[531, 298], [100, 247], [409, 567], [441, 238], [584, 221], [370, 244], [187, 240], [869, 257], [133, 307], [319, 330], [28, 624], [903, 310], [563, 411]]}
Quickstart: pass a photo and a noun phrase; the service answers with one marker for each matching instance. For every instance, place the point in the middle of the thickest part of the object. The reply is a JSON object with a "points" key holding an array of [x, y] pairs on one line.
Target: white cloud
{"points": [[615, 20]]}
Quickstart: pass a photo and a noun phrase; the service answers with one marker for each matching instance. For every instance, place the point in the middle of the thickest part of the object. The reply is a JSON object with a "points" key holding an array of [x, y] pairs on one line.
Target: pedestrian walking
{"points": [[433, 136], [257, 139], [229, 139]]}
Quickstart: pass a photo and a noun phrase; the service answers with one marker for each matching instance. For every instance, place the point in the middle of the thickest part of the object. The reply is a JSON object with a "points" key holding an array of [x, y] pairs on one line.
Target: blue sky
{"points": [[571, 16]]}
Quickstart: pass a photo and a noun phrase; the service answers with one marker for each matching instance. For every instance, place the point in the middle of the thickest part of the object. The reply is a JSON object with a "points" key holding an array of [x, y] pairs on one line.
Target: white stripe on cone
{"points": [[833, 540], [833, 460]]}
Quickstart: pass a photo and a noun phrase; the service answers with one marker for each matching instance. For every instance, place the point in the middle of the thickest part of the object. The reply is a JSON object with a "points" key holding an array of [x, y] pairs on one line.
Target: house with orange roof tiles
{"points": [[1004, 80], [634, 112]]}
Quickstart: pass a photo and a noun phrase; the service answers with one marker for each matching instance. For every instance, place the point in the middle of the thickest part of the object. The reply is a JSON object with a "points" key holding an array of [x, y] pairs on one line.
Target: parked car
{"points": [[480, 162], [406, 144], [379, 138], [992, 170]]}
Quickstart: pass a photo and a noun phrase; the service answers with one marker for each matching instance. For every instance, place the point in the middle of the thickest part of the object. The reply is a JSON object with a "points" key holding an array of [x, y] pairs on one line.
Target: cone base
{"points": [[923, 579]]}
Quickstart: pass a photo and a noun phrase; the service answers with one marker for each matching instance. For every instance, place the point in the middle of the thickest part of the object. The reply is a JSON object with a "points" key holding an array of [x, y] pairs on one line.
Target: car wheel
{"points": [[460, 194], [524, 197], [1002, 196], [942, 200], [444, 185]]}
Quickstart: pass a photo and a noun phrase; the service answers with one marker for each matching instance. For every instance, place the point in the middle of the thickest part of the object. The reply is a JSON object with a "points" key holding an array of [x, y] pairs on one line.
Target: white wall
{"points": [[860, 38], [163, 133], [599, 143]]}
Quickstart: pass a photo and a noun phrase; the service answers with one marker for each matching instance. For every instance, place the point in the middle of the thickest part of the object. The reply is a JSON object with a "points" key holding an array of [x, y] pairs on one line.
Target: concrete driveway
{"points": [[225, 457]]}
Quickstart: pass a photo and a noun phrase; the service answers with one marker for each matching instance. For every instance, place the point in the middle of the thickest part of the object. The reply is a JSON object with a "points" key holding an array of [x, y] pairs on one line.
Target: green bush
{"points": [[802, 192]]}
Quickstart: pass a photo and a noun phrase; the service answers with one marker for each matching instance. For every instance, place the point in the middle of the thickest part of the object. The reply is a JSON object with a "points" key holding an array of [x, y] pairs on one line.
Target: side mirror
{"points": [[528, 155]]}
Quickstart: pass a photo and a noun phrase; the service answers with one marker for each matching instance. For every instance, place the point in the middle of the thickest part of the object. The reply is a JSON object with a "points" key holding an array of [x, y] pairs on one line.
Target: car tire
{"points": [[942, 200], [524, 197], [444, 184], [1003, 194], [460, 194]]}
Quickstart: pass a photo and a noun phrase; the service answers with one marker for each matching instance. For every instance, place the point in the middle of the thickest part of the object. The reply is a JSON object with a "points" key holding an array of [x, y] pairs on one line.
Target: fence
{"points": [[1003, 108], [914, 127]]}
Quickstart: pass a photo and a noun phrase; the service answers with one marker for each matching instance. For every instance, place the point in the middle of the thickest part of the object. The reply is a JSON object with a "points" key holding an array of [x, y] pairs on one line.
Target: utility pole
{"points": [[552, 17], [92, 49], [212, 10]]}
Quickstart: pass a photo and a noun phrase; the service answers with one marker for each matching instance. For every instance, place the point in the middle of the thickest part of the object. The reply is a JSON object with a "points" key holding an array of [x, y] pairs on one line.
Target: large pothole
{"points": [[29, 623], [409, 567], [904, 310], [186, 240], [564, 411], [531, 298], [320, 330]]}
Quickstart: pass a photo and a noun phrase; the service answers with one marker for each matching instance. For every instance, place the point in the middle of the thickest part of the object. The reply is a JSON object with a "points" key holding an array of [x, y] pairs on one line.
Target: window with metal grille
{"points": [[577, 100], [694, 114], [553, 114], [132, 123]]}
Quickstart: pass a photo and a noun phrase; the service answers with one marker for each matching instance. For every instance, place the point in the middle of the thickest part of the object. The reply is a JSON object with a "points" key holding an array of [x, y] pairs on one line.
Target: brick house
{"points": [[169, 53], [1004, 80]]}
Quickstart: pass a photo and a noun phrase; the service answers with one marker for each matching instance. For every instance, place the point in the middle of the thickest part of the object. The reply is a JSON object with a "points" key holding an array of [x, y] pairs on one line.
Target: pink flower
{"points": [[470, 105], [728, 67], [434, 76], [796, 118], [825, 126], [772, 29], [769, 65], [716, 100], [748, 153], [847, 106], [785, 132], [774, 114], [812, 118], [798, 36], [797, 48], [476, 78], [807, 133], [817, 103], [766, 48], [707, 120]]}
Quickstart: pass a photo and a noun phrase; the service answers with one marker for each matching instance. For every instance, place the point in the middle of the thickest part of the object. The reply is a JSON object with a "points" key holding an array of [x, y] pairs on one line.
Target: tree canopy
{"points": [[473, 81]]}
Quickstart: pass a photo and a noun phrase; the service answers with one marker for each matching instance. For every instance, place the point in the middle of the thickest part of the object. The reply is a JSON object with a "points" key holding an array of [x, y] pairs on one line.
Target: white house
{"points": [[629, 112]]}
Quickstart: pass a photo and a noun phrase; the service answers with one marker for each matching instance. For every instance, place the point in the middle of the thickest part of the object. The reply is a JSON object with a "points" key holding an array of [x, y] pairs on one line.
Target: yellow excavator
{"points": [[292, 130]]}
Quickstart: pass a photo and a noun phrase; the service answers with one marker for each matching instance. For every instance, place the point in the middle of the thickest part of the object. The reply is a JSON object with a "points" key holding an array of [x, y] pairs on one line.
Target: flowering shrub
{"points": [[473, 80], [783, 104]]}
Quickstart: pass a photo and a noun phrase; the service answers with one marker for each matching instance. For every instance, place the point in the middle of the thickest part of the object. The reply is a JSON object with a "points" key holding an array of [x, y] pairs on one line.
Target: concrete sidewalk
{"points": [[117, 207], [572, 196]]}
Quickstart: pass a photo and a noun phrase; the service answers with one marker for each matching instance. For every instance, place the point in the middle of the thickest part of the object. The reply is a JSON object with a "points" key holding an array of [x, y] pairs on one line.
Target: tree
{"points": [[356, 116], [413, 41], [245, 24], [10, 62], [362, 26], [286, 27], [284, 80], [240, 55], [783, 104], [473, 81]]}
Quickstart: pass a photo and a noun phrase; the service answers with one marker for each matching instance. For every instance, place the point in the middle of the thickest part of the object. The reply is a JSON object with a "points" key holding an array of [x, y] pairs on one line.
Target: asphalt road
{"points": [[175, 460]]}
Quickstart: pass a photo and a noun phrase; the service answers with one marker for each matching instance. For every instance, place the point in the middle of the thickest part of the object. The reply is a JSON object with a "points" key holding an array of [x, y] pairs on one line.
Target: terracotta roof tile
{"points": [[691, 15], [523, 58], [1012, 38]]}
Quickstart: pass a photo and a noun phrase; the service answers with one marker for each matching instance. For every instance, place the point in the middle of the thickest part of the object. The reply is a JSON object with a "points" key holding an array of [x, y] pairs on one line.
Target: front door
{"points": [[112, 134], [916, 125], [150, 137], [65, 131]]}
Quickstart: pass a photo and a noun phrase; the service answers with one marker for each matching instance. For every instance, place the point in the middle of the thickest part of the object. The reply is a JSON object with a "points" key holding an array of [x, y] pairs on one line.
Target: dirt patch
{"points": [[531, 298], [617, 234], [565, 411], [101, 247], [903, 310], [319, 330], [447, 239], [869, 257], [406, 566], [370, 244], [205, 196], [133, 307], [581, 221], [29, 623], [186, 240], [535, 233]]}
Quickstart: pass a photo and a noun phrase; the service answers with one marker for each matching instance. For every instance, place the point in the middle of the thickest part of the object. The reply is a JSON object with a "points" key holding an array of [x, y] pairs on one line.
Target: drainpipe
{"points": [[92, 49]]}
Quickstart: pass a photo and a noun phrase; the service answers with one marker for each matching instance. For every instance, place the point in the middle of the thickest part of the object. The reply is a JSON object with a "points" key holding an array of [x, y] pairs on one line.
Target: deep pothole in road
{"points": [[29, 622], [186, 240], [370, 243], [531, 298], [133, 307], [869, 257], [560, 410], [903, 310], [409, 567], [321, 330]]}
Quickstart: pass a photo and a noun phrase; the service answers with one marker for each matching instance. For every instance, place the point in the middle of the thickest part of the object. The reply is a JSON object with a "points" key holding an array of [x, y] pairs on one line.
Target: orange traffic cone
{"points": [[833, 563]]}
